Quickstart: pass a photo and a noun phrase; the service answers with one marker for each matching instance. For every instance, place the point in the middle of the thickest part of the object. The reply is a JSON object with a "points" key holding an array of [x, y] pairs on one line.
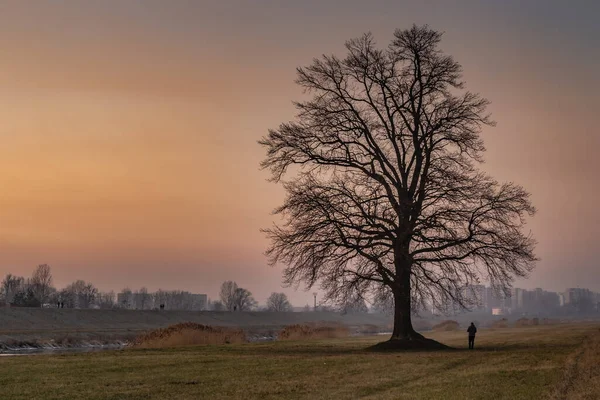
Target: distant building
{"points": [[581, 300], [474, 296], [516, 297], [536, 302], [576, 295], [561, 299]]}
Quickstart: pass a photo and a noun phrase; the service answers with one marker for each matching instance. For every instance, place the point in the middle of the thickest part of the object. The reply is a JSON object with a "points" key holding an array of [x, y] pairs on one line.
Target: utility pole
{"points": [[315, 296]]}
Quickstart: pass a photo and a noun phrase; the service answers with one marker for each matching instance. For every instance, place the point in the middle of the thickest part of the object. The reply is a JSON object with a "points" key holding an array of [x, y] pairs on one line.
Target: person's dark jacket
{"points": [[472, 330]]}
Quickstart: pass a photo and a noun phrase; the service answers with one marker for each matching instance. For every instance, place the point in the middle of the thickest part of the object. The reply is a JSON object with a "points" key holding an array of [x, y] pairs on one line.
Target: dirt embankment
{"points": [[34, 326], [448, 325]]}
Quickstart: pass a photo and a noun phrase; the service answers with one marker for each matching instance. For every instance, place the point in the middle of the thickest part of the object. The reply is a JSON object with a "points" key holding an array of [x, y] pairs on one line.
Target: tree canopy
{"points": [[380, 167]]}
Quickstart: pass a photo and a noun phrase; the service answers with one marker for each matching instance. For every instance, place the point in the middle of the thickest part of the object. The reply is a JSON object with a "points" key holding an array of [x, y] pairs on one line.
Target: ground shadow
{"points": [[397, 345]]}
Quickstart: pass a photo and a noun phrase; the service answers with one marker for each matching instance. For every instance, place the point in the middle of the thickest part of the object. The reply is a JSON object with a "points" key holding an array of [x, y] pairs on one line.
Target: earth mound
{"points": [[448, 325], [188, 334]]}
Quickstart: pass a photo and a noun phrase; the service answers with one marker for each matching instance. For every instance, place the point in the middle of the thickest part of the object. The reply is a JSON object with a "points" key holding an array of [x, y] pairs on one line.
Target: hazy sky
{"points": [[128, 129]]}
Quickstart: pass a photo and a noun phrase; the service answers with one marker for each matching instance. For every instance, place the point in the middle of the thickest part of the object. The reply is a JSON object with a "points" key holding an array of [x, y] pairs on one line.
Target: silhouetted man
{"points": [[472, 331]]}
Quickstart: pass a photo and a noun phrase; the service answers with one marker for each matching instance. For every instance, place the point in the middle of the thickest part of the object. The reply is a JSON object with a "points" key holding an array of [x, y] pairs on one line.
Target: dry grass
{"points": [[513, 363], [306, 331], [188, 334], [446, 326], [581, 377]]}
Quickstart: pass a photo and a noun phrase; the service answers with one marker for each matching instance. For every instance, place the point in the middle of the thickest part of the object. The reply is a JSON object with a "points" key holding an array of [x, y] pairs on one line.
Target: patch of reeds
{"points": [[307, 331], [189, 334]]}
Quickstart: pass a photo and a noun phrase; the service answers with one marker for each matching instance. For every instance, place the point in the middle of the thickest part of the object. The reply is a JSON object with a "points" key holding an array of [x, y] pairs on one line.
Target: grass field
{"points": [[517, 363]]}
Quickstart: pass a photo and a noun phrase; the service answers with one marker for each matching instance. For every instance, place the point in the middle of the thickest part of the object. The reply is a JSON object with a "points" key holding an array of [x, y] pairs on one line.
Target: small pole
{"points": [[315, 295]]}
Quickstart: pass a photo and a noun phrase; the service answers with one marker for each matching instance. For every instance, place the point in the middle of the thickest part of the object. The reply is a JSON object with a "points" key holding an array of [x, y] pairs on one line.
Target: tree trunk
{"points": [[403, 329]]}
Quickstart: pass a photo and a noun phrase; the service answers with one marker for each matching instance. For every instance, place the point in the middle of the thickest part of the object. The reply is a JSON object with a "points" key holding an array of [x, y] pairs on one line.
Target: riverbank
{"points": [[34, 328]]}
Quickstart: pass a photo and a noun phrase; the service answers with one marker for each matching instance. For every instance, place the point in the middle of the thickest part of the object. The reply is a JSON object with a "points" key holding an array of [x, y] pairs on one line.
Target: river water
{"points": [[31, 351]]}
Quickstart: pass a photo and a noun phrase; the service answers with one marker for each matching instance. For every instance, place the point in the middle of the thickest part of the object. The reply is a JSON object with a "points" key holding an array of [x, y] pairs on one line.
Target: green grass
{"points": [[516, 363]]}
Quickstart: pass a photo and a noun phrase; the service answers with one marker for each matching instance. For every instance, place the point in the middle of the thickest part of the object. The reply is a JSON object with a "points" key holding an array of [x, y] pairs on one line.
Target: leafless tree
{"points": [[278, 302], [79, 294], [143, 298], [106, 300], [385, 189], [354, 305], [126, 298], [41, 283], [383, 302], [11, 285], [243, 300], [227, 294]]}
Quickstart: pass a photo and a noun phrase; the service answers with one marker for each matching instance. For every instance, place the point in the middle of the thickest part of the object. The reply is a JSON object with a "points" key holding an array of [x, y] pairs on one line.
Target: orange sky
{"points": [[128, 130]]}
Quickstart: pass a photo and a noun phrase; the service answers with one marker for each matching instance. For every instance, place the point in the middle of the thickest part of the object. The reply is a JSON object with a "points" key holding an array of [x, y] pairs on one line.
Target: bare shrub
{"points": [[306, 331], [448, 325], [189, 334]]}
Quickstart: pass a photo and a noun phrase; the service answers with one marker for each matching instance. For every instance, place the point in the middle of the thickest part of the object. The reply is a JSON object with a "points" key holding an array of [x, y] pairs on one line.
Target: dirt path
{"points": [[581, 377]]}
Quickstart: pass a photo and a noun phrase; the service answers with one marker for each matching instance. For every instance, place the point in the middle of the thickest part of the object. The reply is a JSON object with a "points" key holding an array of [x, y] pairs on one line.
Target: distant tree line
{"points": [[235, 298], [142, 299], [38, 291]]}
